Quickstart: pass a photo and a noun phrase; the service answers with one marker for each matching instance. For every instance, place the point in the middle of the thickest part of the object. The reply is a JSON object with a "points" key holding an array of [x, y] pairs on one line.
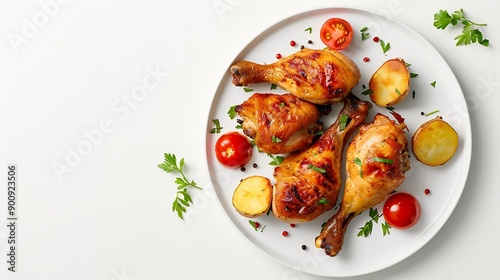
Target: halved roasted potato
{"points": [[390, 84], [434, 142], [252, 198]]}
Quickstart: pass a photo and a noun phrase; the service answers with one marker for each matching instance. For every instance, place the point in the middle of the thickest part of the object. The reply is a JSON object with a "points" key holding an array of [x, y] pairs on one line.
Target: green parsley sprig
{"points": [[277, 160], [367, 229], [182, 198], [443, 19]]}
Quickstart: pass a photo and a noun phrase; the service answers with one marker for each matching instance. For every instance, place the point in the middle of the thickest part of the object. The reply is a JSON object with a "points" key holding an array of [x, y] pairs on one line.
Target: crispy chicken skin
{"points": [[376, 162], [279, 123], [308, 182], [318, 76]]}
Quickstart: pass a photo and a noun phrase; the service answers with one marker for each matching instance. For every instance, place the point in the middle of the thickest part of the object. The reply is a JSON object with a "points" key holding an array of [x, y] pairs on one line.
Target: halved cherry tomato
{"points": [[336, 33], [233, 149], [401, 210]]}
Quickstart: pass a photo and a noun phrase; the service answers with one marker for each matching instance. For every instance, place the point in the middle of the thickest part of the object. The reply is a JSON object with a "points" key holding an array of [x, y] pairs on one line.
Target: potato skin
{"points": [[390, 84], [435, 142], [253, 196]]}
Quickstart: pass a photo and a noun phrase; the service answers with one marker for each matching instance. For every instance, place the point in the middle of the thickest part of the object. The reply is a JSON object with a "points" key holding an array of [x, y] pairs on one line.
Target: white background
{"points": [[67, 69]]}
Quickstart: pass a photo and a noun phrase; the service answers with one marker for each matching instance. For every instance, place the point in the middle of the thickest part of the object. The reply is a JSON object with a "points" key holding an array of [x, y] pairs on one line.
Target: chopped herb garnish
{"points": [[276, 139], [344, 119], [431, 113], [273, 86], [433, 84], [413, 94], [358, 162], [390, 108], [256, 225], [315, 168], [413, 75], [232, 111], [309, 29], [364, 34], [282, 104], [217, 127], [367, 92], [398, 92], [277, 160], [383, 160], [247, 89], [385, 229], [322, 201], [366, 230], [318, 133], [385, 46]]}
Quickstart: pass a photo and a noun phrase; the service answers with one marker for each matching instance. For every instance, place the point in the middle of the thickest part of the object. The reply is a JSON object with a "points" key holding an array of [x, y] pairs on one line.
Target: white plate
{"points": [[359, 255]]}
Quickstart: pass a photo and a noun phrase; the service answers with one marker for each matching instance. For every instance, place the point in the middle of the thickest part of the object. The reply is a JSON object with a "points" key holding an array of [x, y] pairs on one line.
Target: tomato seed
{"points": [[278, 56], [376, 39], [284, 233], [292, 43]]}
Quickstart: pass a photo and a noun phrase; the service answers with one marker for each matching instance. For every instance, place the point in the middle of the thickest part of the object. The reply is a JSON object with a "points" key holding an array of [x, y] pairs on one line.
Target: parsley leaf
{"points": [[322, 201], [232, 111], [182, 198], [469, 35], [277, 160], [317, 169], [344, 120], [367, 92], [217, 128], [367, 229], [385, 46], [364, 33], [275, 139]]}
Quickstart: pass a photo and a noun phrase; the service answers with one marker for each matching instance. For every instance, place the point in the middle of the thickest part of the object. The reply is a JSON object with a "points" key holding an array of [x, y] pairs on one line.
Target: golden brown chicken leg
{"points": [[308, 182], [318, 76], [279, 123], [376, 162]]}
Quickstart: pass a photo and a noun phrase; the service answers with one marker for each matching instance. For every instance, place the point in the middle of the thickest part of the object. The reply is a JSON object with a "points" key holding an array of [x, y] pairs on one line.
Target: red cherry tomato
{"points": [[401, 210], [233, 149], [336, 33]]}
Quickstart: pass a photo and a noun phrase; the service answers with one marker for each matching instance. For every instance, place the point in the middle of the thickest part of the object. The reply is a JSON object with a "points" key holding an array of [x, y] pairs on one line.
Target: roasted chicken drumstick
{"points": [[318, 76], [279, 123], [308, 181], [376, 162]]}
